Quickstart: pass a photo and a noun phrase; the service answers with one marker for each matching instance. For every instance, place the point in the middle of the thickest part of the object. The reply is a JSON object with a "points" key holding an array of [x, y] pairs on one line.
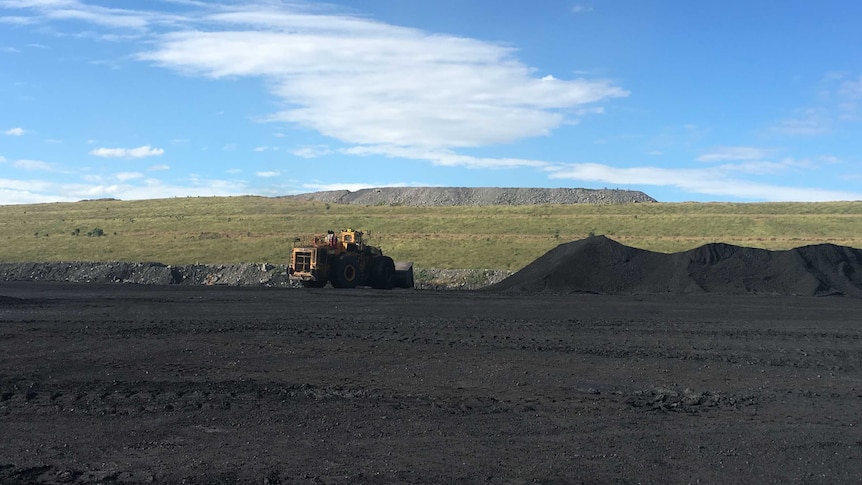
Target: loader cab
{"points": [[351, 240]]}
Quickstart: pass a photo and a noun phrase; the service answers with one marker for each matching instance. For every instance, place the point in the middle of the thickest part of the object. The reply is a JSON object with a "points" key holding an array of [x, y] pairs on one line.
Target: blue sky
{"points": [[704, 101]]}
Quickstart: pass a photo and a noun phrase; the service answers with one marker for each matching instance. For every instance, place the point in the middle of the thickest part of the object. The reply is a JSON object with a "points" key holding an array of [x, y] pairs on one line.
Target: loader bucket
{"points": [[403, 274]]}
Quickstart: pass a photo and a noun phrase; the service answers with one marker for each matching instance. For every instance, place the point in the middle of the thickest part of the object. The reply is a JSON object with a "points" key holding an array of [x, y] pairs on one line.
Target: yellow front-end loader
{"points": [[345, 261]]}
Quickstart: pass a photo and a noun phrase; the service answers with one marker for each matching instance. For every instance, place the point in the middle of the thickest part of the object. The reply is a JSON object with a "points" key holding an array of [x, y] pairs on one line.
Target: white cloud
{"points": [[312, 151], [16, 20], [15, 131], [270, 173], [140, 152], [157, 168], [839, 101], [24, 185], [352, 187], [716, 181], [34, 165], [721, 154], [368, 82], [2, 159], [581, 9], [27, 192], [446, 158], [76, 10], [850, 100], [39, 191], [153, 189], [125, 176], [851, 89], [10, 50], [261, 149], [812, 122]]}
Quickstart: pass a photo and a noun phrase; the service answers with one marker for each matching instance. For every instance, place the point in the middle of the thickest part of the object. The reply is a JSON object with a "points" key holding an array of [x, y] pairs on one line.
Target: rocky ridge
{"points": [[245, 274], [475, 196]]}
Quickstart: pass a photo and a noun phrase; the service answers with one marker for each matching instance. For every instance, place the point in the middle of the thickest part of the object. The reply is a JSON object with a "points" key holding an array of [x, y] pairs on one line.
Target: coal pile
{"points": [[600, 265]]}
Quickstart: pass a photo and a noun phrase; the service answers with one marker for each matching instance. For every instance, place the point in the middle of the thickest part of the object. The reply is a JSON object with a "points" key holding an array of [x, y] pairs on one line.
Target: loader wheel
{"points": [[346, 273], [382, 273]]}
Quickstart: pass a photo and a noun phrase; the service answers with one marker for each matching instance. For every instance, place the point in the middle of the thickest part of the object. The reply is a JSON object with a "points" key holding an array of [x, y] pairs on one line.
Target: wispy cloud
{"points": [[717, 181], [721, 154], [446, 158], [10, 50], [74, 10], [851, 89], [16, 20], [839, 101], [368, 82], [390, 91], [350, 186], [850, 100], [15, 132], [34, 165], [810, 122], [118, 186], [125, 176], [312, 151], [158, 168], [140, 152], [26, 191]]}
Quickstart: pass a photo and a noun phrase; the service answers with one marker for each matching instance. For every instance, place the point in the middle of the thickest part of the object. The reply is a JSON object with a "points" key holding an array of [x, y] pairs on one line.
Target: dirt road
{"points": [[162, 384]]}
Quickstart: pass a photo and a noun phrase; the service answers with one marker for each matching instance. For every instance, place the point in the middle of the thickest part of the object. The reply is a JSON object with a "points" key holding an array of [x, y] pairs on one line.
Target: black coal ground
{"points": [[132, 383]]}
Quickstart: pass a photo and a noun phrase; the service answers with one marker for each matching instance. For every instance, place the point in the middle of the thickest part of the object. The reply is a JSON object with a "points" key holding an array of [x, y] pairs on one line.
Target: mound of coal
{"points": [[600, 265]]}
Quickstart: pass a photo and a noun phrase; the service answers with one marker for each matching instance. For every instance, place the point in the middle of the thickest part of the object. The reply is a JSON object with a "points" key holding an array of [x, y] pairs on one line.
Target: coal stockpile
{"points": [[600, 265]]}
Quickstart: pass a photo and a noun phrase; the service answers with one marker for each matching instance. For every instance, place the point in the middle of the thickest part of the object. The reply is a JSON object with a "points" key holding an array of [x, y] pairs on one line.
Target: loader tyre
{"points": [[382, 273], [346, 273]]}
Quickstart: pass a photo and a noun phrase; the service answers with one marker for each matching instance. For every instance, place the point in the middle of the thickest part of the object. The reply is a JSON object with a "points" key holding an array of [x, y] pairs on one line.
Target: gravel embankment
{"points": [[481, 196], [246, 274]]}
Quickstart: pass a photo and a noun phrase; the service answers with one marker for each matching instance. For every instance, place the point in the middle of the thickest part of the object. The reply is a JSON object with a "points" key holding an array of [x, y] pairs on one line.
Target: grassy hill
{"points": [[257, 229]]}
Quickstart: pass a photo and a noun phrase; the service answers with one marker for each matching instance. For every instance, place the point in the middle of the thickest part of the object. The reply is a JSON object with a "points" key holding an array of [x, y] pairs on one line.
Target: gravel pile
{"points": [[601, 265], [271, 275], [462, 196], [147, 273]]}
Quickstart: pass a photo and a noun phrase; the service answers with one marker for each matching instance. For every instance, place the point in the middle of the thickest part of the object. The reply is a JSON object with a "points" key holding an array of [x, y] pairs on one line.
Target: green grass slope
{"points": [[257, 229]]}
